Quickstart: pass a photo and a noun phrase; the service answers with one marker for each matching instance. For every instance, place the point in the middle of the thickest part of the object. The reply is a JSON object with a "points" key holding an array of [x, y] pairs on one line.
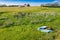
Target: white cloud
{"points": [[57, 1]]}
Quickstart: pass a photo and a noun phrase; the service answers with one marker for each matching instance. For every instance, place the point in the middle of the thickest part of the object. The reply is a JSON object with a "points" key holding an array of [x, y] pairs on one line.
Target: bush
{"points": [[8, 23]]}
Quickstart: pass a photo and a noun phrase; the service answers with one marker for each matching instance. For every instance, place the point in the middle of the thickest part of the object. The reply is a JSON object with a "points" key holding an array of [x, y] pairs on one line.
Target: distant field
{"points": [[29, 9], [21, 23]]}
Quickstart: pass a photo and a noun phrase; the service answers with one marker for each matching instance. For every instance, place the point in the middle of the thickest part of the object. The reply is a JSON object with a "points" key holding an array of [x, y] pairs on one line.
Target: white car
{"points": [[43, 29]]}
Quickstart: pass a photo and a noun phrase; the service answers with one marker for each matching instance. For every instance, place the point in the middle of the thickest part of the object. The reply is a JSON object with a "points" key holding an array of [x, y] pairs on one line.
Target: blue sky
{"points": [[29, 0], [32, 2]]}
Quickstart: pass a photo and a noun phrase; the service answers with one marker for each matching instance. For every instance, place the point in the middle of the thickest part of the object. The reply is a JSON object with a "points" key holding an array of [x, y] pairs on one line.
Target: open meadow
{"points": [[21, 23]]}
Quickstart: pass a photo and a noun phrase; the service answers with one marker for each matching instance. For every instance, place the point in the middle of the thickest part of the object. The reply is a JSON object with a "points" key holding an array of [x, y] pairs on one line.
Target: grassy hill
{"points": [[21, 23]]}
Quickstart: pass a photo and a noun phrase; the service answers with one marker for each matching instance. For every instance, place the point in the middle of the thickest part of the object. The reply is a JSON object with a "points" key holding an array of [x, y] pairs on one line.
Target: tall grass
{"points": [[22, 23]]}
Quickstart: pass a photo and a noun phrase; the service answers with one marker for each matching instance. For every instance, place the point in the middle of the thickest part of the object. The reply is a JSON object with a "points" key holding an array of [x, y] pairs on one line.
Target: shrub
{"points": [[8, 23]]}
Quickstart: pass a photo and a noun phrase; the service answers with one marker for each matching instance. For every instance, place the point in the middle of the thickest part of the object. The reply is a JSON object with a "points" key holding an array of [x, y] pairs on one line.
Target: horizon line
{"points": [[22, 3]]}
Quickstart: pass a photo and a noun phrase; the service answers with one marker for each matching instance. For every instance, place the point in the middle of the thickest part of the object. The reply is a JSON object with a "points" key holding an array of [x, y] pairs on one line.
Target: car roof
{"points": [[43, 27]]}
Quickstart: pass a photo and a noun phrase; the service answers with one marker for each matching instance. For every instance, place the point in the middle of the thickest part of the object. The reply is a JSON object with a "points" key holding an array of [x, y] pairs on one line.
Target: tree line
{"points": [[25, 5], [56, 4]]}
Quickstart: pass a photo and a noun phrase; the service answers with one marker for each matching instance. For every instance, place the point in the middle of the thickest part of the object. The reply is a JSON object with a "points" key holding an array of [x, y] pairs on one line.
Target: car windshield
{"points": [[42, 28]]}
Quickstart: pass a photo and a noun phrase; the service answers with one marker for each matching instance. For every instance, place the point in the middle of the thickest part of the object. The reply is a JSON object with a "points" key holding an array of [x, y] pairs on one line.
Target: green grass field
{"points": [[21, 23]]}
